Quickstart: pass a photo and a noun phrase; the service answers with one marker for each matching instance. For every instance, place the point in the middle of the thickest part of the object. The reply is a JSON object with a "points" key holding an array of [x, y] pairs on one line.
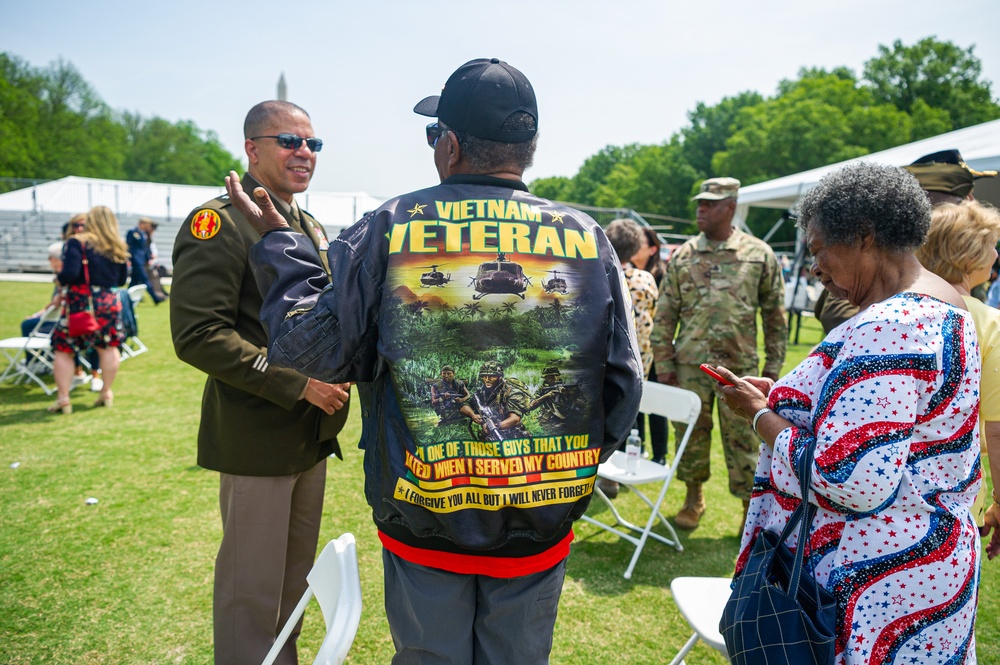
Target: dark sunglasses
{"points": [[80, 225], [434, 131], [293, 142]]}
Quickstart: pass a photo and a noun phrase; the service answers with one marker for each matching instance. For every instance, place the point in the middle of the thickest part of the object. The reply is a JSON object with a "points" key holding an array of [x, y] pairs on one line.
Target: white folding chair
{"points": [[132, 345], [336, 583], [29, 356], [675, 404], [701, 601]]}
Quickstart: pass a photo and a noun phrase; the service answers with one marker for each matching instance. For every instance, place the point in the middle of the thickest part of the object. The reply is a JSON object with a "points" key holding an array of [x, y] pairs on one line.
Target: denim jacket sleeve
{"points": [[330, 332]]}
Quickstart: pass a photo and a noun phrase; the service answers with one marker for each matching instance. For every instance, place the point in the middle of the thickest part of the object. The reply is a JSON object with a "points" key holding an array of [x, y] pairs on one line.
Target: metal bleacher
{"points": [[25, 238], [29, 221]]}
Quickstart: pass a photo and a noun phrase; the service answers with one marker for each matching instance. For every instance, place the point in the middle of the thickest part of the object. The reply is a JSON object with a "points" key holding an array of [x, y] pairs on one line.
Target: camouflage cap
{"points": [[716, 189], [491, 367], [945, 171], [551, 370], [447, 368]]}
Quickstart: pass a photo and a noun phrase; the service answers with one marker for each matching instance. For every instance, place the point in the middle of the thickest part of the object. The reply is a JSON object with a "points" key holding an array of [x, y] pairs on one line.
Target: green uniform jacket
{"points": [[832, 311], [713, 291], [252, 420]]}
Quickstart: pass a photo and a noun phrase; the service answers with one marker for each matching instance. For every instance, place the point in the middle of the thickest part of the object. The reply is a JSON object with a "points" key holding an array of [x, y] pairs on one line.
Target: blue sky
{"points": [[604, 72]]}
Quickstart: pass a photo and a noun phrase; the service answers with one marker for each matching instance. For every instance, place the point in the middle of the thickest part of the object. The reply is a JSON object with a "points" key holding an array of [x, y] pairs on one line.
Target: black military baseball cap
{"points": [[479, 97]]}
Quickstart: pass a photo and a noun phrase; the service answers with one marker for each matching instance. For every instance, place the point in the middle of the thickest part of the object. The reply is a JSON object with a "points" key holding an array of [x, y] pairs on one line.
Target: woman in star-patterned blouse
{"points": [[890, 400]]}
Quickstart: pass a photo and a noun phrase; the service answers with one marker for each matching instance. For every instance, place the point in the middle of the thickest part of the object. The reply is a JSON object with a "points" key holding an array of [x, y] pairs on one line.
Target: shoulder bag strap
{"points": [[86, 277], [805, 511]]}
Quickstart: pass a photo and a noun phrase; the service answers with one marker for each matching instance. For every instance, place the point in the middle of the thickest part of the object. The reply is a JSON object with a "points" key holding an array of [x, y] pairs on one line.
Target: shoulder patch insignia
{"points": [[205, 224]]}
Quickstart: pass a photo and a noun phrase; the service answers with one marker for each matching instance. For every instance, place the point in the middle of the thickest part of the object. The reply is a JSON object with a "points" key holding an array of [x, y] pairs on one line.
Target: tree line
{"points": [[905, 93], [53, 124]]}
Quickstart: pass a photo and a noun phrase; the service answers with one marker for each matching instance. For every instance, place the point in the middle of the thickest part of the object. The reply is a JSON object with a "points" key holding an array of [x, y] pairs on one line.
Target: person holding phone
{"points": [[890, 399]]}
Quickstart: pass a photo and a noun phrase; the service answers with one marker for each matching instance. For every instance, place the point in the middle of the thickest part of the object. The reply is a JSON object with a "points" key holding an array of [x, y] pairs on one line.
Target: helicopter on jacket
{"points": [[500, 277], [555, 285], [435, 277]]}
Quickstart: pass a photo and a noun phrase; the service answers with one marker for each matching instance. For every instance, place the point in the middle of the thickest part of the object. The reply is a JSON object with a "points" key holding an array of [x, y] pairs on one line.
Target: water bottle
{"points": [[633, 449]]}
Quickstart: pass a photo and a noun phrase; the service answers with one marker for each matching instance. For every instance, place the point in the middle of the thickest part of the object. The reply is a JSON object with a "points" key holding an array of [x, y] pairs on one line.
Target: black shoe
{"points": [[661, 460]]}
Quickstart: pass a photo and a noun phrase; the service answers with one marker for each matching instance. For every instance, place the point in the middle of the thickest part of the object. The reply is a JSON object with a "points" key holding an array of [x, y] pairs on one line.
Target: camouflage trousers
{"points": [[739, 443]]}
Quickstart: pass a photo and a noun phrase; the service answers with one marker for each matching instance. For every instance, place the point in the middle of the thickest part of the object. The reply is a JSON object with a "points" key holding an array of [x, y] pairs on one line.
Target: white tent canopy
{"points": [[979, 145], [166, 202]]}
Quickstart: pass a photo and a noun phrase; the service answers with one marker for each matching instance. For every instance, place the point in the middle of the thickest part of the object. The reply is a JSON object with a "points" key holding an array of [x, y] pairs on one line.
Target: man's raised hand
{"points": [[262, 215]]}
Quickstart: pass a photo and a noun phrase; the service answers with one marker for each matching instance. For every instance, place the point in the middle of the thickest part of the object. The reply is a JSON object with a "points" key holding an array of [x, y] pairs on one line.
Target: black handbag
{"points": [[776, 613]]}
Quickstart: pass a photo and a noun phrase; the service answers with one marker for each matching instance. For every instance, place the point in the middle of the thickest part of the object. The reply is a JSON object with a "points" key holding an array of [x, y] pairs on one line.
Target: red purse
{"points": [[83, 323]]}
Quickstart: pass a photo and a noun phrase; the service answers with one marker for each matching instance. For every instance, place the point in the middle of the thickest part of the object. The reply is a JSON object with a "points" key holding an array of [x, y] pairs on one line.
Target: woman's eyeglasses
{"points": [[292, 141]]}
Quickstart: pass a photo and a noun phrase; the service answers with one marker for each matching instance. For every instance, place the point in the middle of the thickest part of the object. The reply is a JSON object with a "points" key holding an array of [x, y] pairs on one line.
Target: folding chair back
{"points": [[675, 404], [132, 346], [137, 293], [30, 357], [701, 601], [336, 583]]}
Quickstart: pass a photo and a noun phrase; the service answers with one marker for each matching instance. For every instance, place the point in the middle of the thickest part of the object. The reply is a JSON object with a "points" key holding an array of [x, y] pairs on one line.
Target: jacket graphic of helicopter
{"points": [[435, 277], [500, 277], [555, 285]]}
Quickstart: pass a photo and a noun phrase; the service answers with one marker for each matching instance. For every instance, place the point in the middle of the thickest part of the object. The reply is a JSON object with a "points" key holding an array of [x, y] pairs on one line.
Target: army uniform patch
{"points": [[324, 244], [205, 224]]}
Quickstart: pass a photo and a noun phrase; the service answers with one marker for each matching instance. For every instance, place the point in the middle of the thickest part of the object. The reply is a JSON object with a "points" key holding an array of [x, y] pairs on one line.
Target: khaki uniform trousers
{"points": [[270, 527]]}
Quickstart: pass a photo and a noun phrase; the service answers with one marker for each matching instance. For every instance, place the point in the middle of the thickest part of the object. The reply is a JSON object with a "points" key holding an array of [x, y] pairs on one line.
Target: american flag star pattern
{"points": [[892, 397]]}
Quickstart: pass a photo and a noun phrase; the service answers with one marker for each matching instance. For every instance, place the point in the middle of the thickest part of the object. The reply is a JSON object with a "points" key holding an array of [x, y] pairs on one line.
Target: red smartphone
{"points": [[707, 369]]}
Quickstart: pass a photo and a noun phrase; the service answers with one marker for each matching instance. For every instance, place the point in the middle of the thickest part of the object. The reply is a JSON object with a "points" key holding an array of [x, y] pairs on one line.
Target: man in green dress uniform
{"points": [[267, 430]]}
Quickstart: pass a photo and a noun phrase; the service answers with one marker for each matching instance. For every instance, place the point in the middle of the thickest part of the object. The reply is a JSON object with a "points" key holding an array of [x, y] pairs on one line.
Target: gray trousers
{"points": [[442, 618], [270, 525]]}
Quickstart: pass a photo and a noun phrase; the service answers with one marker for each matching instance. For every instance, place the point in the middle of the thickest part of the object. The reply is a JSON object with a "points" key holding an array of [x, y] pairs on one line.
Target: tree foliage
{"points": [[906, 93], [54, 124], [711, 126], [940, 74], [656, 178], [556, 188], [595, 170], [819, 118]]}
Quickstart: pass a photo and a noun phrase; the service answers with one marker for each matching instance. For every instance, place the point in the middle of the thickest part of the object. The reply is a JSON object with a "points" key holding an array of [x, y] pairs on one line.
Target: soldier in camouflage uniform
{"points": [[448, 395], [714, 285], [498, 404], [557, 402]]}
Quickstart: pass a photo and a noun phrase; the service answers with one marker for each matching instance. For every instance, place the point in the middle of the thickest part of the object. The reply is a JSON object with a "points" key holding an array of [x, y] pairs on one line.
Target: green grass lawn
{"points": [[129, 579]]}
